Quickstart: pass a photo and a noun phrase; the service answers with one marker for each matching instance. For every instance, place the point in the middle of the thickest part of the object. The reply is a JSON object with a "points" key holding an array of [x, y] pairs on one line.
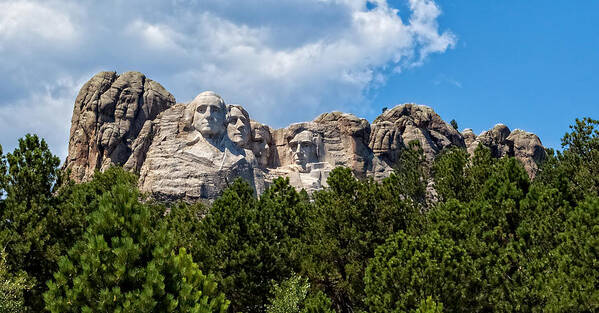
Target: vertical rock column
{"points": [[109, 114]]}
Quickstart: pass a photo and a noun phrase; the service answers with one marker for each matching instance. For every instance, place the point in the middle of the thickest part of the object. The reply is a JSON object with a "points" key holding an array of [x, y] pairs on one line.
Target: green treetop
{"points": [[126, 263]]}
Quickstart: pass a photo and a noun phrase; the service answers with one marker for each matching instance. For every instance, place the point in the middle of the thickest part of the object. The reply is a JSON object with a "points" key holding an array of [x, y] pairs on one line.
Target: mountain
{"points": [[192, 151]]}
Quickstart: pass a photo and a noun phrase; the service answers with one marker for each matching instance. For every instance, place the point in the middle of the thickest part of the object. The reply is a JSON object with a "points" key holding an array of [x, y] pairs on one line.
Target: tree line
{"points": [[488, 239]]}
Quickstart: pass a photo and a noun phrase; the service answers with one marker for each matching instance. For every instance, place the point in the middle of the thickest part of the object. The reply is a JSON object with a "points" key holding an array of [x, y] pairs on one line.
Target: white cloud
{"points": [[26, 22], [46, 112], [286, 61], [154, 36]]}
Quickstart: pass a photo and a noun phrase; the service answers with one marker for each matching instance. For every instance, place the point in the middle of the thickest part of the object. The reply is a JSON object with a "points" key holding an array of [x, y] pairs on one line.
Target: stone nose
{"points": [[209, 112], [239, 124]]}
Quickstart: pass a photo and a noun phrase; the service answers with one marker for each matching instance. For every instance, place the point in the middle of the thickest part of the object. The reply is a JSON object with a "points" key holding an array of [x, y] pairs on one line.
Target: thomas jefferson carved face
{"points": [[303, 148], [209, 116], [238, 127]]}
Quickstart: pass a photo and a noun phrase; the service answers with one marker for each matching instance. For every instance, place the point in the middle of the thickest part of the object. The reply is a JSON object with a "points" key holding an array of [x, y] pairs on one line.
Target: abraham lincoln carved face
{"points": [[304, 148]]}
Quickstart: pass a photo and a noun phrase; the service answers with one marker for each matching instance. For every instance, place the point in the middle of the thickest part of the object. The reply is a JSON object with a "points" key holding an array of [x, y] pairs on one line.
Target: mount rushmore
{"points": [[192, 151]]}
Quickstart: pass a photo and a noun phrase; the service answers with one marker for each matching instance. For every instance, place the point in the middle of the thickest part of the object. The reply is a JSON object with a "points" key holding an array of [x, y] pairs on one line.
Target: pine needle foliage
{"points": [[125, 264]]}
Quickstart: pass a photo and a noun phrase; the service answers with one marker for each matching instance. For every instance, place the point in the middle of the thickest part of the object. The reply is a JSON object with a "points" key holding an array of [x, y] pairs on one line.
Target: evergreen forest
{"points": [[488, 239]]}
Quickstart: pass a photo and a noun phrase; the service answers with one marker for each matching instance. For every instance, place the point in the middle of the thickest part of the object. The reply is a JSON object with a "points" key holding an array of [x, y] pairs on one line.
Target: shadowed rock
{"points": [[395, 128], [108, 118]]}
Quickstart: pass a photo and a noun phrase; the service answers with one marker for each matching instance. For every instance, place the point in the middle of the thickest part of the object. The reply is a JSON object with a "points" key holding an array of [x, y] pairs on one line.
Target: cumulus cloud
{"points": [[286, 61], [29, 22], [44, 112]]}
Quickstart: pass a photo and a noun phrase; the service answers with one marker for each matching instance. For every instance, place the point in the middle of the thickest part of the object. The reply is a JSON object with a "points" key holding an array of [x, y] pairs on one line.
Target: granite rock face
{"points": [[307, 152], [191, 157], [395, 128], [108, 118], [192, 151], [524, 146]]}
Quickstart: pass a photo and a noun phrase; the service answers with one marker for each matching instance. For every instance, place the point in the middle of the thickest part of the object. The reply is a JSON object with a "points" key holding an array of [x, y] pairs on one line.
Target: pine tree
{"points": [[126, 263], [293, 295], [454, 124], [407, 269], [12, 288], [247, 243], [451, 181], [346, 223], [429, 306], [27, 210], [409, 178], [574, 286]]}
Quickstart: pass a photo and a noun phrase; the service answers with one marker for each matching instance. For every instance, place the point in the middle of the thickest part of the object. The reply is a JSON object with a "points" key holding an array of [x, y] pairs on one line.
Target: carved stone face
{"points": [[209, 117], [303, 148], [238, 127], [261, 140]]}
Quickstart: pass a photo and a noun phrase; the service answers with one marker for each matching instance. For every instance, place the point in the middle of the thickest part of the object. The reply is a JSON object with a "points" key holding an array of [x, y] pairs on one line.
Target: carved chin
{"points": [[208, 132], [237, 138]]}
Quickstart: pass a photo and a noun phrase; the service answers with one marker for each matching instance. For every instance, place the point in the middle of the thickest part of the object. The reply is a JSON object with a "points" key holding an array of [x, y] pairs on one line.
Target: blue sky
{"points": [[528, 64], [531, 64]]}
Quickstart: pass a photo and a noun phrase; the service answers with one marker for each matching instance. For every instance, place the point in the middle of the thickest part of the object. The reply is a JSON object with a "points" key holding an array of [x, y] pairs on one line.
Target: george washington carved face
{"points": [[209, 114]]}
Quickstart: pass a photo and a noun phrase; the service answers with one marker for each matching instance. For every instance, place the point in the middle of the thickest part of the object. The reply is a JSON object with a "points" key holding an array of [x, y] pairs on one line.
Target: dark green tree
{"points": [[27, 211], [126, 263], [247, 243], [454, 124], [479, 169], [74, 202], [575, 171], [544, 211], [410, 175], [574, 286], [487, 227], [449, 171], [317, 302], [406, 270], [348, 220], [584, 138], [184, 221]]}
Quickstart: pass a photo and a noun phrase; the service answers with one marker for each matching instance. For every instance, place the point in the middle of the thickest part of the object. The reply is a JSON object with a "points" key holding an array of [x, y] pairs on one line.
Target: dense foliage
{"points": [[124, 263], [486, 239]]}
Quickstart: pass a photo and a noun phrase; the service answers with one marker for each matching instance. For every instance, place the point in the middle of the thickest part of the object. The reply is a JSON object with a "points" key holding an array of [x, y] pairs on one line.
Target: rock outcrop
{"points": [[395, 128], [192, 151], [520, 144], [109, 115], [307, 152]]}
